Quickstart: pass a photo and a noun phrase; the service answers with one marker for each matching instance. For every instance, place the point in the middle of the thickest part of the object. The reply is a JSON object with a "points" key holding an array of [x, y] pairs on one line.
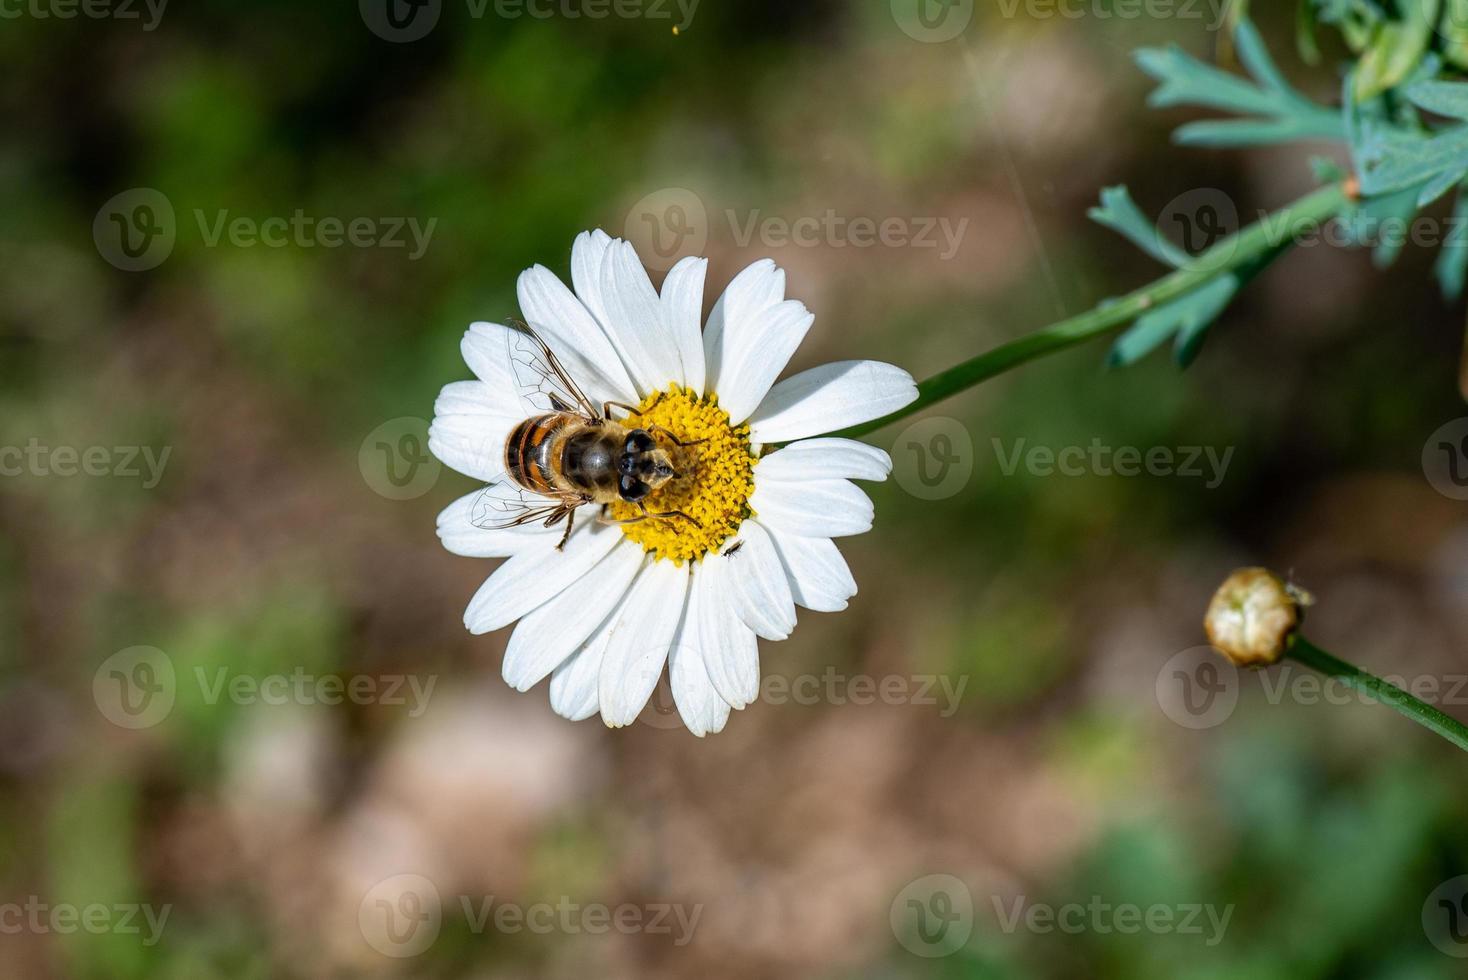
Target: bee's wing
{"points": [[506, 504], [541, 381]]}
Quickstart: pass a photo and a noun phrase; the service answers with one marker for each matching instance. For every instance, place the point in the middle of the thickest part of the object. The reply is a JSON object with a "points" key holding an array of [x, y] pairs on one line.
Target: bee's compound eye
{"points": [[632, 488], [638, 442]]}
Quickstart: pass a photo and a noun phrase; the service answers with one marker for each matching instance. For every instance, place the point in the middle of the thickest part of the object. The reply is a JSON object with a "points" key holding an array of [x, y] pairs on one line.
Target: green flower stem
{"points": [[1254, 242], [1424, 714]]}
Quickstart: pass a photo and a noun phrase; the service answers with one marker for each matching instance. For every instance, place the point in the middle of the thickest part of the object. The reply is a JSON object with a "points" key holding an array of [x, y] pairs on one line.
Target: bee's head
{"points": [[644, 466]]}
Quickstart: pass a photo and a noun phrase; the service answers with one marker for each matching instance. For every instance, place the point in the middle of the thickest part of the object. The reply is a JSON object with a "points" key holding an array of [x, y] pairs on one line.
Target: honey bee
{"points": [[569, 453]]}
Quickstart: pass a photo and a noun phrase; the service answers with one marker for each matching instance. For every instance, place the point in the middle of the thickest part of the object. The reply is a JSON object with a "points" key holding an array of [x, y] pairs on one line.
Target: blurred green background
{"points": [[281, 537]]}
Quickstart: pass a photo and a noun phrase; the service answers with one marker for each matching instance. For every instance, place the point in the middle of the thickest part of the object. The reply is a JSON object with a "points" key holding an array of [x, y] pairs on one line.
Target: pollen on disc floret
{"points": [[715, 476]]}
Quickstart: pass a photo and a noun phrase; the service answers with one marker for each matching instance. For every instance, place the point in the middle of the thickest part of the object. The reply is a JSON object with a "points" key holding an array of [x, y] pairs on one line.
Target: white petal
{"points": [[586, 260], [537, 575], [460, 535], [826, 459], [635, 321], [728, 648], [760, 286], [573, 684], [682, 299], [819, 576], [812, 509], [574, 334], [830, 397], [640, 640], [755, 351], [470, 425], [760, 589], [483, 347], [554, 631], [699, 704]]}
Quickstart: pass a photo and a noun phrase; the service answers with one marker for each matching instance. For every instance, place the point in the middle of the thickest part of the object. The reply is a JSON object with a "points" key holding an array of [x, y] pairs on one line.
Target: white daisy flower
{"points": [[604, 614]]}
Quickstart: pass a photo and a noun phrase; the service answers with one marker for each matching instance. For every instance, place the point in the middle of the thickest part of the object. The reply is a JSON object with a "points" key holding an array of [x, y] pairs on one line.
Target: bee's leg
{"points": [[675, 439], [626, 520], [606, 408], [570, 523], [676, 513]]}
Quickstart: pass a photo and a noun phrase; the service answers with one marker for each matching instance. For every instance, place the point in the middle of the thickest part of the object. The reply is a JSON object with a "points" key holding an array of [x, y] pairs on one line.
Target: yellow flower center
{"points": [[714, 476]]}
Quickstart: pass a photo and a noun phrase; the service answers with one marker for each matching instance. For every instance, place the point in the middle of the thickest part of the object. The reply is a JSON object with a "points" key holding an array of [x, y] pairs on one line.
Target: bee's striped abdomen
{"points": [[529, 459]]}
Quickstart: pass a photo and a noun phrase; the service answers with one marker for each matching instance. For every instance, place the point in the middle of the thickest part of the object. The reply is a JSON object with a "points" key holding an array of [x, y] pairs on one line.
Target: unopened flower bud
{"points": [[1252, 616]]}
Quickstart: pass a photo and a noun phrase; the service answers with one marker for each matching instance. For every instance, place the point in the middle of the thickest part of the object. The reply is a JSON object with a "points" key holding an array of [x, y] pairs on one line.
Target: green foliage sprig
{"points": [[1403, 161]]}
